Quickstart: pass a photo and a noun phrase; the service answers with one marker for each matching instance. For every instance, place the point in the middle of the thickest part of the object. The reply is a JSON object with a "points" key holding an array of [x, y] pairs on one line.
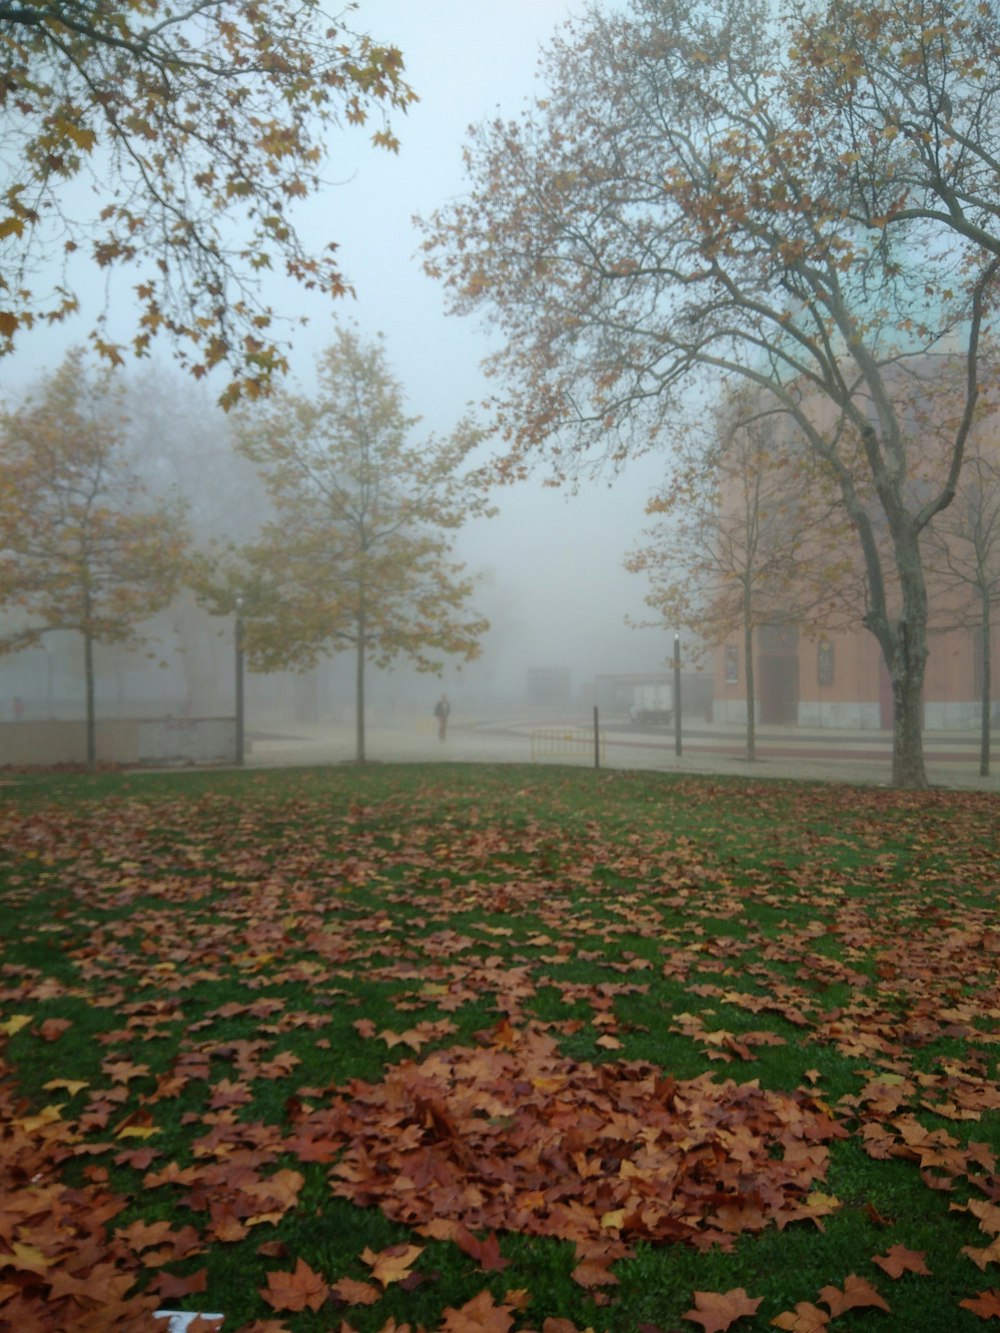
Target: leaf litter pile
{"points": [[460, 1049]]}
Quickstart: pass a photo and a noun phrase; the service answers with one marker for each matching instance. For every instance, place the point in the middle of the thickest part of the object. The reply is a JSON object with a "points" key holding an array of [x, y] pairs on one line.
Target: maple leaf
{"points": [[856, 1293], [988, 1214], [412, 1038], [486, 1252], [296, 1290], [138, 1158], [593, 1272], [805, 1318], [27, 1259], [70, 1085], [480, 1315], [440, 1228], [981, 1257], [53, 1028], [899, 1260], [171, 1288], [986, 1305], [15, 1024], [392, 1264], [718, 1310], [353, 1292]]}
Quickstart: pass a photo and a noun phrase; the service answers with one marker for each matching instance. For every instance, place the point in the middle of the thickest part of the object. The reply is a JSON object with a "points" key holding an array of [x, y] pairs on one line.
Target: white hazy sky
{"points": [[556, 588], [558, 592]]}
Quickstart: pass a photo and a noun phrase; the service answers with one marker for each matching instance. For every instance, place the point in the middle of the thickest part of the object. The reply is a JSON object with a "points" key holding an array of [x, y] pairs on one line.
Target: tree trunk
{"points": [[359, 688], [907, 674], [88, 672], [985, 710]]}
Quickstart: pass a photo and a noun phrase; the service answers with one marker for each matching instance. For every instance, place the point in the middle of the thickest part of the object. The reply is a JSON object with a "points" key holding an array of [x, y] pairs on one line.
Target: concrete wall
{"points": [[194, 740]]}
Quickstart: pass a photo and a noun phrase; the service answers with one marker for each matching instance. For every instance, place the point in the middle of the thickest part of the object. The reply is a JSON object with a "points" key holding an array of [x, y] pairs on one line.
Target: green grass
{"points": [[221, 952]]}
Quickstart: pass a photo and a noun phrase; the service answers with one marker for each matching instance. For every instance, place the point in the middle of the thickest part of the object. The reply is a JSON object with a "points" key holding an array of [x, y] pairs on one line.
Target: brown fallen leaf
{"points": [[53, 1028], [353, 1292], [856, 1294], [805, 1318], [899, 1260], [986, 1305], [593, 1273], [486, 1252], [990, 1254], [169, 1288], [392, 1264], [480, 1315], [296, 1290], [718, 1310]]}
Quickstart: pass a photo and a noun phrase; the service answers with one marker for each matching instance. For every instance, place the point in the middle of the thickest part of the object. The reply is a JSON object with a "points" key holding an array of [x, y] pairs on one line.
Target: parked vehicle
{"points": [[652, 706]]}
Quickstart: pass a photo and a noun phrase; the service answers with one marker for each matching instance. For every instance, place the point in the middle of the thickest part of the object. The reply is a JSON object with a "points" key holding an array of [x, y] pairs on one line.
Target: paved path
{"points": [[952, 758]]}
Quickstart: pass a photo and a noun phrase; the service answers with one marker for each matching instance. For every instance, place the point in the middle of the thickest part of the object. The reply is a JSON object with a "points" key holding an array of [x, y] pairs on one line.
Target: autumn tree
{"points": [[748, 534], [674, 211], [359, 555], [194, 126], [81, 547]]}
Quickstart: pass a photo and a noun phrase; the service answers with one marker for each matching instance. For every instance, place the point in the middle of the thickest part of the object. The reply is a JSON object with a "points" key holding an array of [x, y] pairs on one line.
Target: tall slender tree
{"points": [[748, 535], [81, 546], [360, 554]]}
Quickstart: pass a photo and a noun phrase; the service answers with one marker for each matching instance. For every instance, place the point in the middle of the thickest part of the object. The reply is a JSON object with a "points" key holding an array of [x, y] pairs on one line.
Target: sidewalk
{"points": [[952, 758]]}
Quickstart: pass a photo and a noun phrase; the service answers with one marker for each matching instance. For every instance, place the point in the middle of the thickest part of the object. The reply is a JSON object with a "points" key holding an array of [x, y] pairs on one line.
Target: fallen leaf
{"points": [[353, 1292], [857, 1293], [990, 1254], [392, 1264], [70, 1085], [296, 1290], [592, 1273], [486, 1252], [480, 1315], [171, 1288], [986, 1305], [15, 1023], [899, 1260], [718, 1310], [805, 1318]]}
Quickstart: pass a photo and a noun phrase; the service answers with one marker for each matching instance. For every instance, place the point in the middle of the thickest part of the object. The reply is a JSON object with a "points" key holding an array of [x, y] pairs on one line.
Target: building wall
{"points": [[192, 740], [844, 684]]}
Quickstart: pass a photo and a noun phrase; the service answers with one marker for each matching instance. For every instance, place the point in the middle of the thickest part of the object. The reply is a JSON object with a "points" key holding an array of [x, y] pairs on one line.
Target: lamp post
{"points": [[678, 745], [239, 679]]}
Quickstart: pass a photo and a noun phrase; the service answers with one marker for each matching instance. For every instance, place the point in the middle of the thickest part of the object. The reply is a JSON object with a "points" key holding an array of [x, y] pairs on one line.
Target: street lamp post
{"points": [[678, 744], [239, 680]]}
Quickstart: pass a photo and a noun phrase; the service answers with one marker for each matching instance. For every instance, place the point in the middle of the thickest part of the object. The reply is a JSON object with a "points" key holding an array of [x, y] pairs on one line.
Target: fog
{"points": [[554, 586]]}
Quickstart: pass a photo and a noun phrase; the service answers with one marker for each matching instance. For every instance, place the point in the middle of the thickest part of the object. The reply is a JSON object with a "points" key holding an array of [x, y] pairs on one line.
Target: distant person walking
{"points": [[441, 710]]}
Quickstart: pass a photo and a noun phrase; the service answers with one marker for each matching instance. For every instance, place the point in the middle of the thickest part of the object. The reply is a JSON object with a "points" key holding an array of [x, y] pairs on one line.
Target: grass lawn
{"points": [[472, 1048]]}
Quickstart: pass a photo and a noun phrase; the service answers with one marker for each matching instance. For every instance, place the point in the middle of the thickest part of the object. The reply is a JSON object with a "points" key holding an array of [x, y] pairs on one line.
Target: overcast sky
{"points": [[557, 589]]}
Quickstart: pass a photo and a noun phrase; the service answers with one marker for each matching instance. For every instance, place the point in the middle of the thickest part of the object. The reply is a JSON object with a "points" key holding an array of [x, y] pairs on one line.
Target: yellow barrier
{"points": [[554, 743]]}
